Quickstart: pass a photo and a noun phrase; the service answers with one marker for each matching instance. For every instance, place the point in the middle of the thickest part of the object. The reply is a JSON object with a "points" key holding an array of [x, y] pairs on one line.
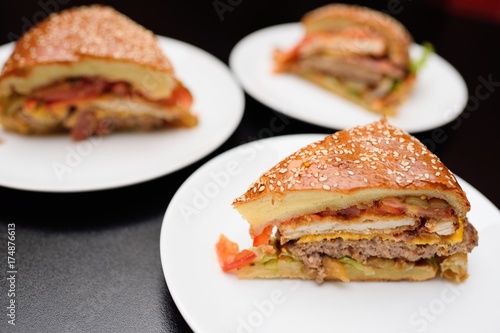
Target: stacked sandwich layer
{"points": [[90, 70], [367, 203], [356, 52]]}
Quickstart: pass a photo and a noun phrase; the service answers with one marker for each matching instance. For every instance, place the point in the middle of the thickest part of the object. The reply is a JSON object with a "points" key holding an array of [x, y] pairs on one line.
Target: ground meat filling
{"points": [[312, 253]]}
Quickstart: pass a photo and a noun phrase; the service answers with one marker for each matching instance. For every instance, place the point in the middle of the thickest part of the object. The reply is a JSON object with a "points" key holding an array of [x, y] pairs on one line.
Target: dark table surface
{"points": [[90, 262]]}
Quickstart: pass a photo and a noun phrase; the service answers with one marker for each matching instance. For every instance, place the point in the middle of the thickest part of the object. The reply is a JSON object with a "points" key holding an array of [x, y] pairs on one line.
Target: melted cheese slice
{"points": [[454, 238]]}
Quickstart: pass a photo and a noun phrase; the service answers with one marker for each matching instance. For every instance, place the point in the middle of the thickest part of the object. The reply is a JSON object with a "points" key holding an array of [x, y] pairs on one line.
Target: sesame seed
{"points": [[350, 172], [326, 187], [262, 188], [92, 31]]}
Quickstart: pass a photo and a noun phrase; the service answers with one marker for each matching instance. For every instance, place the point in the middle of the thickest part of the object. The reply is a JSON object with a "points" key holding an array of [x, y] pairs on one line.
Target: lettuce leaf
{"points": [[418, 64], [357, 265]]}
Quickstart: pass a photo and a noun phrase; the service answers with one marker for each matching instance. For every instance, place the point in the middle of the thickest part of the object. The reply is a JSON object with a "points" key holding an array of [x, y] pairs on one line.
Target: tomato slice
{"points": [[264, 236], [65, 91], [229, 255], [30, 104], [241, 259], [181, 96], [391, 210], [392, 206], [226, 249]]}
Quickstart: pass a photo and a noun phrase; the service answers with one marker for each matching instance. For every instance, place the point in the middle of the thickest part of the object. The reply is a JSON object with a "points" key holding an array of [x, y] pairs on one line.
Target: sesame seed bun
{"points": [[88, 41], [337, 16], [353, 166], [339, 42]]}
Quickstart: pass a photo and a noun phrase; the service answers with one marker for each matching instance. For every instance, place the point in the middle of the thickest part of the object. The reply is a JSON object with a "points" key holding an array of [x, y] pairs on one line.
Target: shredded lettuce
{"points": [[357, 265], [271, 264], [262, 257], [417, 64], [395, 85]]}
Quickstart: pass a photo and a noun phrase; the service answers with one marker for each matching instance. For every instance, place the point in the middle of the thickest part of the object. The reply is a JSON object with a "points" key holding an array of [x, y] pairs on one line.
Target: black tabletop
{"points": [[90, 262]]}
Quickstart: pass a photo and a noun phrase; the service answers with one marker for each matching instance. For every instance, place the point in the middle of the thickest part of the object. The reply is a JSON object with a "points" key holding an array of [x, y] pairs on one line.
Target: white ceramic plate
{"points": [[439, 95], [56, 164], [214, 302]]}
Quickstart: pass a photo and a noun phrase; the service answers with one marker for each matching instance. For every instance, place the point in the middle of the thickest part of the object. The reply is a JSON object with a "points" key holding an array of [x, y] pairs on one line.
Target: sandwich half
{"points": [[90, 70], [369, 203], [355, 52]]}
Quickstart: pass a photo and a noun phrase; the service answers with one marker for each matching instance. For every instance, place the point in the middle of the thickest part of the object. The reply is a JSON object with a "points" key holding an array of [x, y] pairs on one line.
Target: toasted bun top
{"points": [[352, 166], [339, 16], [89, 31]]}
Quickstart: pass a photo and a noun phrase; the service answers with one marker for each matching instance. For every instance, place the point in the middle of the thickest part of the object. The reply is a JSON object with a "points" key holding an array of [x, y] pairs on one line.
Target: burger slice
{"points": [[369, 203], [355, 52], [89, 71]]}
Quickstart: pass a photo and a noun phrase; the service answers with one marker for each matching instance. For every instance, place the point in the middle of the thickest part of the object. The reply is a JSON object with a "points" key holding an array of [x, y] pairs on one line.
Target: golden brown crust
{"points": [[89, 31], [335, 16], [370, 157]]}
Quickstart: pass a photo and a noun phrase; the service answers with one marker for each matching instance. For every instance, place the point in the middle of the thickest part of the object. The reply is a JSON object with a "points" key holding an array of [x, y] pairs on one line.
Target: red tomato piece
{"points": [[241, 259], [180, 96], [264, 237], [229, 256], [392, 206]]}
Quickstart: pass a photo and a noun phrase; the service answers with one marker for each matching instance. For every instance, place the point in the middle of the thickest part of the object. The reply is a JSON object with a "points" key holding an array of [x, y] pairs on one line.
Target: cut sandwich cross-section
{"points": [[91, 70], [355, 52], [366, 203]]}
